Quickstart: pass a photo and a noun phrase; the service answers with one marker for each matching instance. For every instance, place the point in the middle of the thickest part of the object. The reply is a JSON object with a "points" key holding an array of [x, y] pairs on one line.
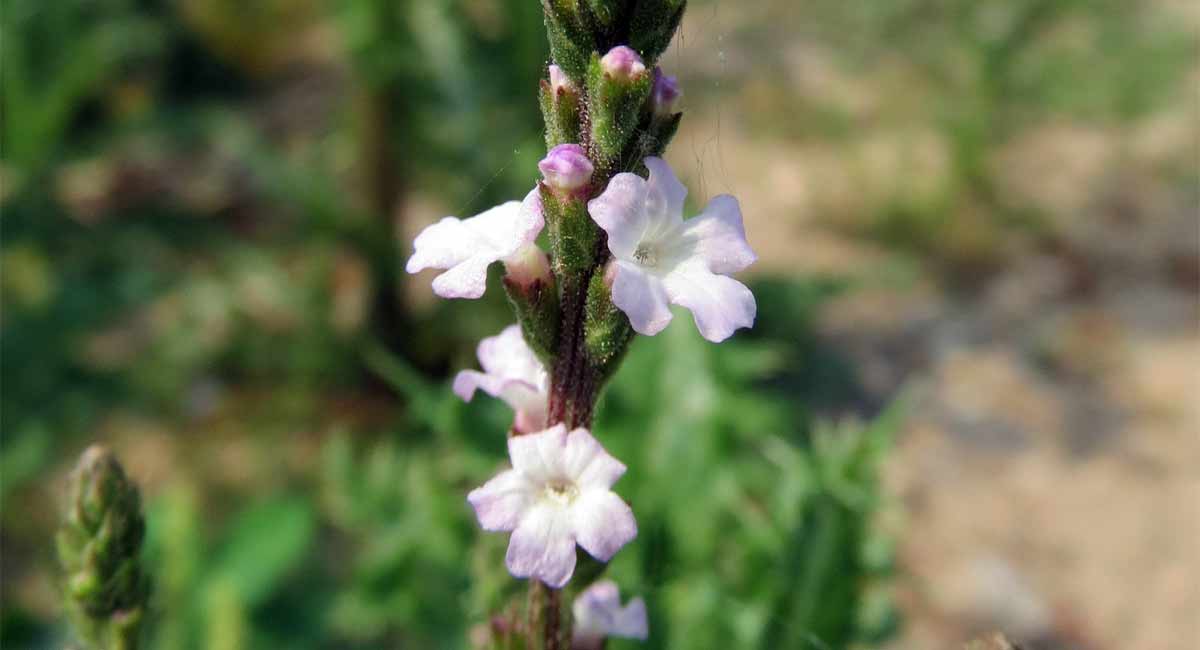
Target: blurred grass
{"points": [[200, 265]]}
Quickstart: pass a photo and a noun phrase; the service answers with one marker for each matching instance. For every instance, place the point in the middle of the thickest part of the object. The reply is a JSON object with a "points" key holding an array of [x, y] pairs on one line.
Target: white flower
{"points": [[556, 495], [466, 247], [598, 614], [660, 258], [511, 372]]}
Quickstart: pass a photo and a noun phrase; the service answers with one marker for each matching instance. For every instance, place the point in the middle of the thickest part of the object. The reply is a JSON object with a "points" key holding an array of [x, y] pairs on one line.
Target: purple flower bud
{"points": [[622, 62], [559, 81], [566, 167], [664, 93]]}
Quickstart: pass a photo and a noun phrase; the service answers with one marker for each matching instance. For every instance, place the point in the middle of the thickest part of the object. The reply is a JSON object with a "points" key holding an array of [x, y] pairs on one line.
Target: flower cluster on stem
{"points": [[619, 254]]}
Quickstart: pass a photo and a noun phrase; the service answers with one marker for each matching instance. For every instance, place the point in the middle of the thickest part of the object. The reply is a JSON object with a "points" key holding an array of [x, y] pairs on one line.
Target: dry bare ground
{"points": [[1047, 483]]}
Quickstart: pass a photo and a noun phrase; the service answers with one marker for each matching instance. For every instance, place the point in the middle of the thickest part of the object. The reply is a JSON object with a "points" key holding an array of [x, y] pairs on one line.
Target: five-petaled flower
{"points": [[466, 247], [598, 614], [511, 372], [660, 258], [556, 495]]}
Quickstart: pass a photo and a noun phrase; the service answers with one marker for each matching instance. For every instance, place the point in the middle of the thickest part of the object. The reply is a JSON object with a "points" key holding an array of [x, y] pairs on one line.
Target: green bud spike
{"points": [[570, 41], [99, 546], [606, 328], [608, 13], [654, 25], [613, 106]]}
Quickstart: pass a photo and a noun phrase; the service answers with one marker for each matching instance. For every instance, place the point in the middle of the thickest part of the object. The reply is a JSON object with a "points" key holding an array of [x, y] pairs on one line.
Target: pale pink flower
{"points": [[512, 373], [556, 496], [598, 614], [661, 259], [466, 247]]}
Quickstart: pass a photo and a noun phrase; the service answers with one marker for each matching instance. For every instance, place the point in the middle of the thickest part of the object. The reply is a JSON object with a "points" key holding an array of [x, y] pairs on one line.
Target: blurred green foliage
{"points": [[160, 222]]}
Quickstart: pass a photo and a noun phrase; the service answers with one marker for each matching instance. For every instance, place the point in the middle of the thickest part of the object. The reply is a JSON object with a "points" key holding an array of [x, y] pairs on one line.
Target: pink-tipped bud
{"points": [[527, 267], [566, 168], [622, 62], [560, 82], [664, 93]]}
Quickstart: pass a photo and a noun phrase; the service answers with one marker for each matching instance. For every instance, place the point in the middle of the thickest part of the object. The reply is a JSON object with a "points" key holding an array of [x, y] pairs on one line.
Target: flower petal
{"points": [[600, 597], [664, 193], [520, 395], [602, 522], [587, 464], [630, 622], [465, 248], [466, 382], [597, 613], [719, 304], [593, 612], [621, 212], [507, 355], [467, 279], [530, 420], [500, 502], [538, 455], [718, 237], [642, 297], [542, 546], [439, 246], [510, 225]]}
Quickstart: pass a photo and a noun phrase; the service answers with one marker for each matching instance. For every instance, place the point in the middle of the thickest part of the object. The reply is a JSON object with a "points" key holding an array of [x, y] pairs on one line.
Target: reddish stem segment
{"points": [[572, 379]]}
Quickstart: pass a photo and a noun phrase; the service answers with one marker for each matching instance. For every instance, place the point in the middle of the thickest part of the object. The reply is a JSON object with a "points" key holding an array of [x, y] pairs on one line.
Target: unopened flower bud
{"points": [[622, 62], [559, 81], [99, 546], [664, 93], [559, 99], [527, 266], [566, 168]]}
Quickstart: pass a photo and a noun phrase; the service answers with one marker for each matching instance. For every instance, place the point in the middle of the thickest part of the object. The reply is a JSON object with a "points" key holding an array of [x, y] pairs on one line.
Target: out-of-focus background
{"points": [[971, 401]]}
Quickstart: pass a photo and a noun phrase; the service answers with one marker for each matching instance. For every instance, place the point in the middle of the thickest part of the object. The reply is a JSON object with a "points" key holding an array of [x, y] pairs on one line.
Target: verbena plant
{"points": [[752, 525], [619, 255]]}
